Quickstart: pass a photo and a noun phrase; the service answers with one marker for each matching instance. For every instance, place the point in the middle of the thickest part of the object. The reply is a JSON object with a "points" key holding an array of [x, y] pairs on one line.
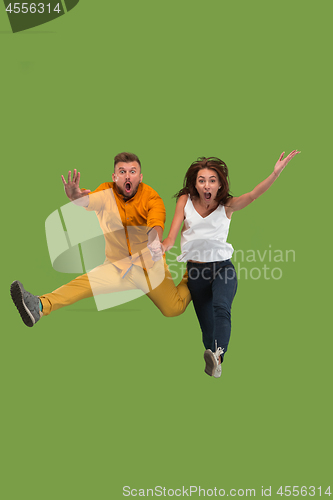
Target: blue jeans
{"points": [[213, 286]]}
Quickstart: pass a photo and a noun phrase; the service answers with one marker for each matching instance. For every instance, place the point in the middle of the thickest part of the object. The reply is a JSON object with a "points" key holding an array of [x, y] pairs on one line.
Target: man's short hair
{"points": [[126, 158]]}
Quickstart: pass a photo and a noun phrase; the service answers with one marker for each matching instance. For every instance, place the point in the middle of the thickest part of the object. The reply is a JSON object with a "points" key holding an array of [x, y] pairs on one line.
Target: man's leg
{"points": [[68, 294], [103, 279], [170, 299]]}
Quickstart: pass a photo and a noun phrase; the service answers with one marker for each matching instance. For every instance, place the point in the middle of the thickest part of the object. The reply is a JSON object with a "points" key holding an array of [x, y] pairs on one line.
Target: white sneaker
{"points": [[218, 371], [213, 367]]}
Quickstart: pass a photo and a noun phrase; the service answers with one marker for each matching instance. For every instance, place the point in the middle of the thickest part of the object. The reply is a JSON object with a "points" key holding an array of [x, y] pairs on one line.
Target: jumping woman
{"points": [[205, 206]]}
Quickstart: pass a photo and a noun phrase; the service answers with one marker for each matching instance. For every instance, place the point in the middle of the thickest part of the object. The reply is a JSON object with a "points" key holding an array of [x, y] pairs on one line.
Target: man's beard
{"points": [[123, 193]]}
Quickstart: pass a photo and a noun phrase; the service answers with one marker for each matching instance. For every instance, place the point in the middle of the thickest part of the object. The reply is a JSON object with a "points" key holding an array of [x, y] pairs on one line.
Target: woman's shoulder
{"points": [[182, 200]]}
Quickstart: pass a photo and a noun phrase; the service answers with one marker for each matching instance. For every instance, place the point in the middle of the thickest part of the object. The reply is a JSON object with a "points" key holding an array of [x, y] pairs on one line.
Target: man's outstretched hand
{"points": [[73, 190], [155, 248]]}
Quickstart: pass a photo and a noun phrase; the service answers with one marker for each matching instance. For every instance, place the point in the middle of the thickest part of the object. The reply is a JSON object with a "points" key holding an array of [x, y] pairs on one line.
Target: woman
{"points": [[205, 205]]}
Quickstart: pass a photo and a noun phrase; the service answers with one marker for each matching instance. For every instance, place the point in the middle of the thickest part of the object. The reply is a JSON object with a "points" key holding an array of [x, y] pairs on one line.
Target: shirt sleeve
{"points": [[96, 198], [156, 211]]}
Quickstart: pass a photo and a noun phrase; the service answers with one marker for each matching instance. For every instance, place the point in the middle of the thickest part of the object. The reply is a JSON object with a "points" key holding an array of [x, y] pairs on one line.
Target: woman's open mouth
{"points": [[128, 187], [208, 196]]}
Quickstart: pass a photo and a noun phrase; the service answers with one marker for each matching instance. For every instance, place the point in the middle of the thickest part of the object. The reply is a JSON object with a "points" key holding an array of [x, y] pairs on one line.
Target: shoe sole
{"points": [[210, 363], [17, 296]]}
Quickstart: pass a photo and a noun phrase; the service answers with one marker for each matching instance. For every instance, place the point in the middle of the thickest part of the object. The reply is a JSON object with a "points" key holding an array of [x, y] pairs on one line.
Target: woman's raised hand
{"points": [[72, 188], [282, 162]]}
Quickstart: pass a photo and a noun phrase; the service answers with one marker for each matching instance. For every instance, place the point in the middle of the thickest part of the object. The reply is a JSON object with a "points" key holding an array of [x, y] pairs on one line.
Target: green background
{"points": [[93, 401]]}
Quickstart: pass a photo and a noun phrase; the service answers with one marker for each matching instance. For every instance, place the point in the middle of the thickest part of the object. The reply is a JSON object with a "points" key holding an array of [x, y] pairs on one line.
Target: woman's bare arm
{"points": [[176, 223], [239, 202]]}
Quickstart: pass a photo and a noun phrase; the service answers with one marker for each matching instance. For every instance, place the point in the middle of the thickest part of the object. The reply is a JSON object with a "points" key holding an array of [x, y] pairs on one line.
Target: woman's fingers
{"points": [[292, 154], [166, 248]]}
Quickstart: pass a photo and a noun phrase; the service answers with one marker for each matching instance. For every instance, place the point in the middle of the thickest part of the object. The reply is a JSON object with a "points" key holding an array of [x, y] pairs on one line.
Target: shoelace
{"points": [[218, 351]]}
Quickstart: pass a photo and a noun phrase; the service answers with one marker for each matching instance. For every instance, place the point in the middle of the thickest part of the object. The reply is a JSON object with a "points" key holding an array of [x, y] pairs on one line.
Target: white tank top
{"points": [[204, 239]]}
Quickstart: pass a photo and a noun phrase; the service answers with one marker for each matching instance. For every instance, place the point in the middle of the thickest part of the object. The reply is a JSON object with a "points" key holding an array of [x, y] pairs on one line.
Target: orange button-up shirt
{"points": [[126, 222]]}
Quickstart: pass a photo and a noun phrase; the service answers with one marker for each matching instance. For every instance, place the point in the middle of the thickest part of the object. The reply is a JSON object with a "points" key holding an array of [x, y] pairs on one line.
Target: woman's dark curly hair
{"points": [[223, 194]]}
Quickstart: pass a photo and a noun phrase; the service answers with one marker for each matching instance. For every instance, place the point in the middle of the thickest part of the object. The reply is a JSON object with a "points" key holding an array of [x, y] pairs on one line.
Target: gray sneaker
{"points": [[26, 303], [213, 368]]}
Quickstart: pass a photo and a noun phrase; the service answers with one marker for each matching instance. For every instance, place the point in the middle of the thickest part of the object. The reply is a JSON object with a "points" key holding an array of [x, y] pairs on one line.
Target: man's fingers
{"points": [[78, 178], [63, 180], [281, 156], [69, 176]]}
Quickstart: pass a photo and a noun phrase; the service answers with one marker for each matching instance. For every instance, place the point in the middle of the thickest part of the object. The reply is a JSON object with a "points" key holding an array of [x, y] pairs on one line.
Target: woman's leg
{"points": [[200, 286], [224, 288]]}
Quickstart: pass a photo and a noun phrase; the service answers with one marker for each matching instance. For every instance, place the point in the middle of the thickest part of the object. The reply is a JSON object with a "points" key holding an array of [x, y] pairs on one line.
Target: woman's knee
{"points": [[222, 309]]}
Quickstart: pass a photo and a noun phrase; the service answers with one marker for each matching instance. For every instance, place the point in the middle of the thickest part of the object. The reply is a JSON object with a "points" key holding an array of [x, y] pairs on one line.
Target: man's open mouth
{"points": [[208, 196], [128, 187]]}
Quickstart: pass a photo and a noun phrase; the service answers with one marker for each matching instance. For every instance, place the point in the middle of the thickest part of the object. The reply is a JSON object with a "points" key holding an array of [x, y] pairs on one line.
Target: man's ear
{"points": [[141, 177], [114, 177]]}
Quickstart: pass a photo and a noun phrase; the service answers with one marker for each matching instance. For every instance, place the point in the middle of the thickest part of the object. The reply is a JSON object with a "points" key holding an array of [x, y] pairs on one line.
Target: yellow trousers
{"points": [[156, 283]]}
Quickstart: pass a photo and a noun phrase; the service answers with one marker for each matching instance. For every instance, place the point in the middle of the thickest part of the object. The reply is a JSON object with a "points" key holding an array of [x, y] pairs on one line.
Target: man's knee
{"points": [[170, 312]]}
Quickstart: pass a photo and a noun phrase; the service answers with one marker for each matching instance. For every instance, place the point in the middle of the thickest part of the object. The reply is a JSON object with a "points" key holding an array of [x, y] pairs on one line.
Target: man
{"points": [[131, 215]]}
